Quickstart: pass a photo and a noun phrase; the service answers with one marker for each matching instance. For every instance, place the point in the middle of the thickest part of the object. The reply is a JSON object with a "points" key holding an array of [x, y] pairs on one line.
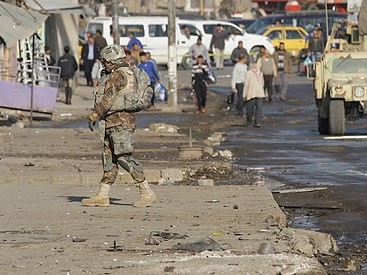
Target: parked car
{"points": [[294, 38], [304, 19], [251, 42], [152, 33]]}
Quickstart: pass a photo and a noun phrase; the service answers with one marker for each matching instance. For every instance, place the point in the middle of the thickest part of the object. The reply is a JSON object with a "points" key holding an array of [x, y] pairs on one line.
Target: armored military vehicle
{"points": [[340, 80]]}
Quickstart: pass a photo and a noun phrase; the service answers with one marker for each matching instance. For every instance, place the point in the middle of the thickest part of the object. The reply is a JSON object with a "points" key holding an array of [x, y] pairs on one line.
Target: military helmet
{"points": [[112, 53]]}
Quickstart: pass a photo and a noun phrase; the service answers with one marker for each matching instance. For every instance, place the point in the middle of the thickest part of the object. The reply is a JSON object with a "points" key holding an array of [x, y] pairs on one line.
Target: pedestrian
{"points": [[153, 74], [133, 40], [186, 31], [89, 55], [260, 54], [283, 64], [50, 60], [316, 45], [237, 52], [129, 59], [199, 74], [217, 45], [69, 66], [199, 49], [150, 59], [135, 52], [266, 65], [253, 94], [99, 40], [96, 72], [112, 107], [238, 80]]}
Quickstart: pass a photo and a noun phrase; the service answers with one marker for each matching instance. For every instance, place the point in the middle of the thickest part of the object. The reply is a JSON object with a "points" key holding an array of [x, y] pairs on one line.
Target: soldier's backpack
{"points": [[141, 98]]}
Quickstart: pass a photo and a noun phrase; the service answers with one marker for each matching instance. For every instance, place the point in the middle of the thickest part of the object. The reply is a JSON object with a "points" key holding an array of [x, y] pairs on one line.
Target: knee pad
{"points": [[132, 166]]}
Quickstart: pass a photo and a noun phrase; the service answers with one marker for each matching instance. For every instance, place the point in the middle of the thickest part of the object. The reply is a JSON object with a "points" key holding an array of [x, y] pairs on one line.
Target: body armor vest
{"points": [[131, 85]]}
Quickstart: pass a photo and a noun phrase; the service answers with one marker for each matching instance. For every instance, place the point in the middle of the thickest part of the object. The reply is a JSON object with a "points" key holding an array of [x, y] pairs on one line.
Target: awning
{"points": [[57, 6], [18, 23]]}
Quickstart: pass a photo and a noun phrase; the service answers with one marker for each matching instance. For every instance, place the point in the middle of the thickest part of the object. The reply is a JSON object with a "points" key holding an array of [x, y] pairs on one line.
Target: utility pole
{"points": [[201, 7], [115, 23], [172, 55]]}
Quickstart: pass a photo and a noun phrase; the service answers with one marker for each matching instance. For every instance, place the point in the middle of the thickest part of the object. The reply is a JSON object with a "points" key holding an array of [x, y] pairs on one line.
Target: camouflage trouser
{"points": [[118, 148]]}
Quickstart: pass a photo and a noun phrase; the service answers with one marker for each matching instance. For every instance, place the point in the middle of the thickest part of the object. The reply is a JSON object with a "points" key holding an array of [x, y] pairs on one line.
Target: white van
{"points": [[251, 42], [152, 33]]}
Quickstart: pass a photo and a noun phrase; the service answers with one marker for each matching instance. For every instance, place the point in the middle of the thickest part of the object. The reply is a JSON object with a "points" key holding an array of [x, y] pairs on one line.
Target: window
{"points": [[193, 30], [275, 35], [209, 29], [232, 30], [138, 30], [92, 27], [159, 30], [293, 34]]}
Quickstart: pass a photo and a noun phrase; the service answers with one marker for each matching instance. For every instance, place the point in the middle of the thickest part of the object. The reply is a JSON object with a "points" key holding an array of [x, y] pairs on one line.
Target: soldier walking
{"points": [[115, 103]]}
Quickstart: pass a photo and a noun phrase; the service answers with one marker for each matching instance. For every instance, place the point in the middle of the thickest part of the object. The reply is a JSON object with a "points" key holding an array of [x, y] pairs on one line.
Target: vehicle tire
{"points": [[186, 62], [336, 117], [323, 124]]}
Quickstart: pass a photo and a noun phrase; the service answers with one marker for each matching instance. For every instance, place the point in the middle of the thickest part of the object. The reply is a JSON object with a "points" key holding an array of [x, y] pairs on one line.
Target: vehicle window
{"points": [[232, 30], [308, 23], [192, 29], [209, 29], [138, 30], [275, 35], [259, 24], [349, 66], [159, 30], [293, 34], [92, 27]]}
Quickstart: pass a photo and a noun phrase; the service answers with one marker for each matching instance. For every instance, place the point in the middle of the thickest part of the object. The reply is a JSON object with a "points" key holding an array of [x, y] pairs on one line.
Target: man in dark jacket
{"points": [[239, 51], [68, 66], [217, 45], [89, 56], [99, 40]]}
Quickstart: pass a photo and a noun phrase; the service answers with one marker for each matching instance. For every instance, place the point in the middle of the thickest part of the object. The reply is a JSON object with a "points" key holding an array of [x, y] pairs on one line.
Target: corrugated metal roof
{"points": [[18, 23]]}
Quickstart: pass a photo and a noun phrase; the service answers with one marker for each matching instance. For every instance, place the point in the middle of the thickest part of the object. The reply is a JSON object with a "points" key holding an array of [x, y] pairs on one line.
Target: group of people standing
{"points": [[253, 85]]}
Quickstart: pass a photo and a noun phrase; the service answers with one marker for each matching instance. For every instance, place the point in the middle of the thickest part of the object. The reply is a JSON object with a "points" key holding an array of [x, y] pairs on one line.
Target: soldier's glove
{"points": [[92, 119]]}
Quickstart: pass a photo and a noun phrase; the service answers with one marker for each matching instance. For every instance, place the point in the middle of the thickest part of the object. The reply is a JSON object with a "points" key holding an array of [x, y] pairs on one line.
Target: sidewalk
{"points": [[45, 230], [46, 172]]}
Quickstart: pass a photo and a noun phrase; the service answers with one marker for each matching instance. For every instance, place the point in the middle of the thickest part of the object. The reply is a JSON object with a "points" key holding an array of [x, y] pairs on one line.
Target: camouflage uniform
{"points": [[117, 128]]}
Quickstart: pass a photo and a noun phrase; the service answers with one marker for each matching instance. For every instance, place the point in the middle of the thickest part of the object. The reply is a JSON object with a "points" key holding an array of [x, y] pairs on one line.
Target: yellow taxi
{"points": [[294, 38]]}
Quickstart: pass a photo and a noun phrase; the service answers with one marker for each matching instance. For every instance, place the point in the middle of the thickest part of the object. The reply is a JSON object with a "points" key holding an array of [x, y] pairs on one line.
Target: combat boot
{"points": [[147, 196], [100, 198]]}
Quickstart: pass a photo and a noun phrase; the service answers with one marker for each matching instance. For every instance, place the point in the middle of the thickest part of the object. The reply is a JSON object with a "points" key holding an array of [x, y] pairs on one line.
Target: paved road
{"points": [[298, 156]]}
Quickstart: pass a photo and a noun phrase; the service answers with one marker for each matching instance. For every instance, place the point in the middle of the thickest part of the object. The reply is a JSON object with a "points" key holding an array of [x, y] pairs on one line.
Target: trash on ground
{"points": [[299, 190], [200, 246], [266, 248], [115, 247]]}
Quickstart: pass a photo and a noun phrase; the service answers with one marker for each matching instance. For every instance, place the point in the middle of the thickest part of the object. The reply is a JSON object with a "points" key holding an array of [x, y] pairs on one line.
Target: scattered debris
{"points": [[78, 240], [299, 190], [150, 240], [200, 246], [206, 182], [163, 128], [213, 201], [225, 154], [115, 248], [169, 269], [164, 235], [165, 182], [266, 248]]}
